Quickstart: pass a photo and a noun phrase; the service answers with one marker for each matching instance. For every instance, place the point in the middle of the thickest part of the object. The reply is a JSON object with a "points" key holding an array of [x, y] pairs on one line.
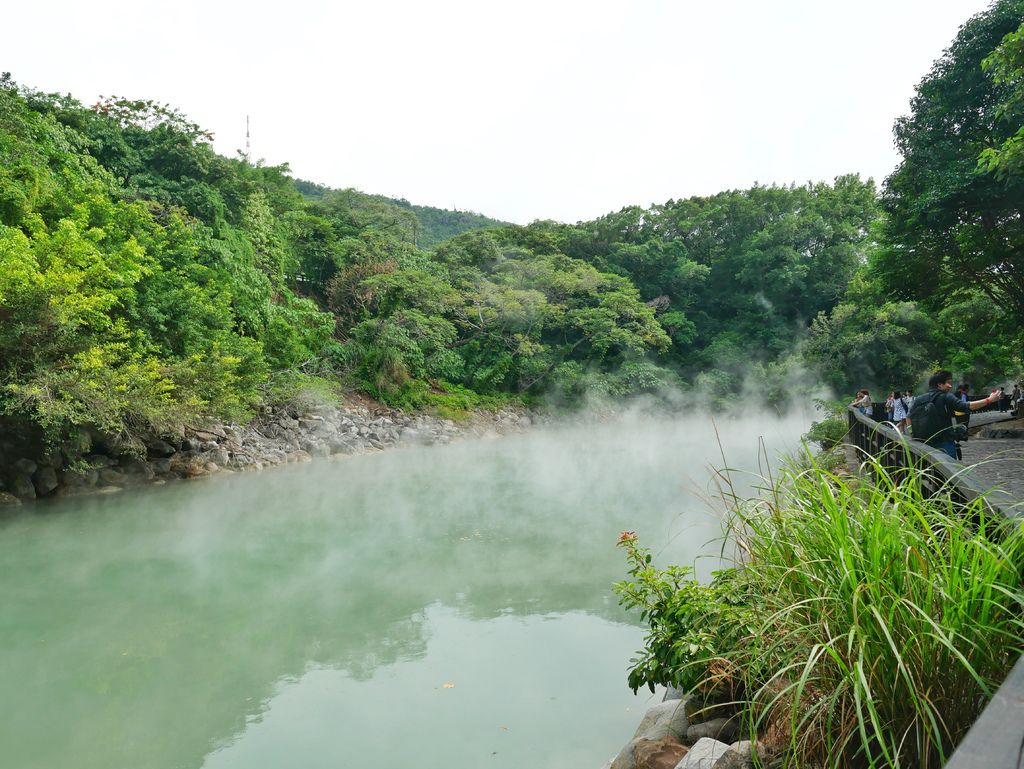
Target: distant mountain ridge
{"points": [[436, 224]]}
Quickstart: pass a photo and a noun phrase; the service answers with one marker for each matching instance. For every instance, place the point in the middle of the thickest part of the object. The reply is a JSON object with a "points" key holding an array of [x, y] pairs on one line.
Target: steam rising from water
{"points": [[297, 617]]}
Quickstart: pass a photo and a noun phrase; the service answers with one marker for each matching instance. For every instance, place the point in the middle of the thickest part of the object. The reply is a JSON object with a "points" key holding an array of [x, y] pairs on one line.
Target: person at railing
{"points": [[962, 416], [862, 402], [932, 413], [901, 410], [889, 405]]}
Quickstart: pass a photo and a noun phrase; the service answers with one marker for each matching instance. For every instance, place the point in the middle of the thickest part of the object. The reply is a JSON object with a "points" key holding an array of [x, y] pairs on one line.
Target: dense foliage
{"points": [[432, 225], [115, 303], [945, 279], [866, 626], [147, 281]]}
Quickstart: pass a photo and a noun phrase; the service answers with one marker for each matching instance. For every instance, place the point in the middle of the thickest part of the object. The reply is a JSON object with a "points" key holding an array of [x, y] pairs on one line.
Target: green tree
{"points": [[1006, 66], [951, 229], [866, 341]]}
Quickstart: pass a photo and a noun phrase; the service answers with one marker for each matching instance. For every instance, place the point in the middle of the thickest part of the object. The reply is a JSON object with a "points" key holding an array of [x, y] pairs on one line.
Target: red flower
{"points": [[626, 536]]}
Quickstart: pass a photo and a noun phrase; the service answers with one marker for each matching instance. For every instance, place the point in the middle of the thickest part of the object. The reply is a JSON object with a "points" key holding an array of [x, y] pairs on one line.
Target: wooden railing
{"points": [[997, 738]]}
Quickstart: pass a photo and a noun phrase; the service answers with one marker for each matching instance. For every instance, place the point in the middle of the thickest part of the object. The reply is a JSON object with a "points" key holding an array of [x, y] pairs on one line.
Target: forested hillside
{"points": [[433, 225], [146, 281]]}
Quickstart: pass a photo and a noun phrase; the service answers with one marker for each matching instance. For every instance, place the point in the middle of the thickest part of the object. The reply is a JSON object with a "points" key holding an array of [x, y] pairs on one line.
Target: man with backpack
{"points": [[932, 413]]}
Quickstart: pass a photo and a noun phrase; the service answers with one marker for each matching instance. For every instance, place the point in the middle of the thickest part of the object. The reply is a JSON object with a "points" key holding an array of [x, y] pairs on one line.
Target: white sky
{"points": [[535, 109]]}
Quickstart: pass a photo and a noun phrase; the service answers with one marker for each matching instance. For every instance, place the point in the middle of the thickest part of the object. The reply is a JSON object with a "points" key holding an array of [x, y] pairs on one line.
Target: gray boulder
{"points": [[26, 466], [111, 477], [220, 456], [81, 478], [22, 487], [674, 693], [740, 755], [45, 480], [664, 720], [271, 431], [160, 448], [411, 435], [723, 729], [626, 758], [340, 446], [161, 466], [137, 467], [319, 450], [703, 755]]}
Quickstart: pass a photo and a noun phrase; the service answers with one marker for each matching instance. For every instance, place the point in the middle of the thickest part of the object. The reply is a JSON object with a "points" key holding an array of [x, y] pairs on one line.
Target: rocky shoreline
{"points": [[278, 435], [679, 733]]}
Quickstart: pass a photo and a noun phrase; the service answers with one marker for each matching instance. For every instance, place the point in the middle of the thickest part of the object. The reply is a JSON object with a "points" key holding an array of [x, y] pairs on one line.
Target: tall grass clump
{"points": [[865, 626]]}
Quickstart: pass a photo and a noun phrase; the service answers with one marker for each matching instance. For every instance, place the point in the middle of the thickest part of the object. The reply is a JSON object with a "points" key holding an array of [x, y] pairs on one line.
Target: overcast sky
{"points": [[537, 109]]}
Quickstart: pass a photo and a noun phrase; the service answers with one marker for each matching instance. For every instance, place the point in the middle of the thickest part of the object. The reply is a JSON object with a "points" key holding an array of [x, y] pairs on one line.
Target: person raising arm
{"points": [[931, 416]]}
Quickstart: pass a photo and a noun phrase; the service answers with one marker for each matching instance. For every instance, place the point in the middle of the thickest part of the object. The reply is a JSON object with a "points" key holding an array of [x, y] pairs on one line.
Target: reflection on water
{"points": [[310, 617], [511, 691]]}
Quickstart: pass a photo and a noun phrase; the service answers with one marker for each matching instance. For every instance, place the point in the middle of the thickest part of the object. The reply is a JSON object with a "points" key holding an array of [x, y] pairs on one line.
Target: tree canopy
{"points": [[946, 271], [146, 281]]}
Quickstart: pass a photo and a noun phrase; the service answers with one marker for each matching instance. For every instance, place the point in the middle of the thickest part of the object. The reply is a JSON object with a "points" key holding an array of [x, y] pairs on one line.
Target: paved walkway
{"points": [[997, 462], [988, 417]]}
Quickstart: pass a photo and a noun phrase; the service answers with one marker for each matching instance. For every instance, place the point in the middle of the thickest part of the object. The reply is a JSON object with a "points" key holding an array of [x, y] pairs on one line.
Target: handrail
{"points": [[996, 739], [894, 450]]}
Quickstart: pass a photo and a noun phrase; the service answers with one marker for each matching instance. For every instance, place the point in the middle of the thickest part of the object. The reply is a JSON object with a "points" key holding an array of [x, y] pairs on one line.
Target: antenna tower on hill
{"points": [[248, 155]]}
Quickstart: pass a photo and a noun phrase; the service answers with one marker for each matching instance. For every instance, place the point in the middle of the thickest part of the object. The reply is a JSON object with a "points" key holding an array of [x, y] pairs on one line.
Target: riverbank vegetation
{"points": [[864, 626], [147, 282]]}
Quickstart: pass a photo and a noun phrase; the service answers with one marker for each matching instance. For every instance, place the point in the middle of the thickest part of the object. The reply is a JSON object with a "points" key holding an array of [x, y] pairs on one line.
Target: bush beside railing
{"points": [[997, 737]]}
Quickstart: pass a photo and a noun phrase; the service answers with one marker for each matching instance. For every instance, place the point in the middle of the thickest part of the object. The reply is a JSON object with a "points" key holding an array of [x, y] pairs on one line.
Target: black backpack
{"points": [[928, 418]]}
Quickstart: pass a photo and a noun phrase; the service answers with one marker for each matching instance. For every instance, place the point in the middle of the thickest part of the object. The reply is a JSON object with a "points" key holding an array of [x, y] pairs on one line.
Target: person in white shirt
{"points": [[862, 402], [901, 409]]}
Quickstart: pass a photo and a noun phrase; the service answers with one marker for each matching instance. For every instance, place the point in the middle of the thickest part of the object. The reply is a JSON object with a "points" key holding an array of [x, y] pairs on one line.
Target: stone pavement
{"points": [[997, 462], [988, 417]]}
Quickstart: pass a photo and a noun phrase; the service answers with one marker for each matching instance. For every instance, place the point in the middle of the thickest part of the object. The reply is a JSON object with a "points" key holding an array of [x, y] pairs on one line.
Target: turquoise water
{"points": [[434, 607]]}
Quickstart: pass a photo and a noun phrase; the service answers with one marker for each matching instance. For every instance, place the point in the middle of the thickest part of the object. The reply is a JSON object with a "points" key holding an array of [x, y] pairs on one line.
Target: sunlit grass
{"points": [[889, 618], [864, 626]]}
